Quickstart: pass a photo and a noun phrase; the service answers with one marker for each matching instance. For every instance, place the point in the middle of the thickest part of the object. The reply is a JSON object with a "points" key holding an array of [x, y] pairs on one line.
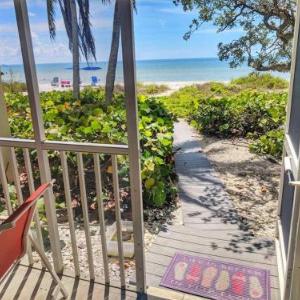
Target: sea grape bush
{"points": [[257, 80], [246, 114], [252, 106], [250, 114], [185, 101], [88, 120], [269, 144]]}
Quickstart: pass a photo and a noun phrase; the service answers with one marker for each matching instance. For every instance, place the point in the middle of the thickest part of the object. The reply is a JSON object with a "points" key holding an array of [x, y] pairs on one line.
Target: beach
{"points": [[174, 73], [173, 86]]}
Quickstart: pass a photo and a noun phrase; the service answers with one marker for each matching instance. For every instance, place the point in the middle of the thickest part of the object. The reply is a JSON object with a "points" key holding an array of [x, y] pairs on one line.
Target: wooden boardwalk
{"points": [[212, 228]]}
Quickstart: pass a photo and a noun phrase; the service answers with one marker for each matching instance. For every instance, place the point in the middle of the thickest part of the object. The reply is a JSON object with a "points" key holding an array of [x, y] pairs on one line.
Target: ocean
{"points": [[163, 70]]}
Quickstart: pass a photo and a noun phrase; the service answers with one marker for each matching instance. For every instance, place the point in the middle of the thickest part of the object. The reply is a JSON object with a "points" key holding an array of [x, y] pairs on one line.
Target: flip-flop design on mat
{"points": [[255, 289], [209, 274], [223, 282], [179, 270], [238, 282], [194, 273], [216, 279]]}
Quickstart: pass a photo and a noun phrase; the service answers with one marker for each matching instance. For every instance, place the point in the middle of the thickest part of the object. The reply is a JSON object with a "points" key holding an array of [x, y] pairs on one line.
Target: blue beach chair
{"points": [[95, 80]]}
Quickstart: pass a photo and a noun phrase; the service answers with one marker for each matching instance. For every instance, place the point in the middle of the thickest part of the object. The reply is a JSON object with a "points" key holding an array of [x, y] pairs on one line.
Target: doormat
{"points": [[216, 279]]}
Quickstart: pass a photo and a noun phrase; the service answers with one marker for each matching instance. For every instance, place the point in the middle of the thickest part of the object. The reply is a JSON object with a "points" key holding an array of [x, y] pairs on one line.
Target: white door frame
{"points": [[289, 261]]}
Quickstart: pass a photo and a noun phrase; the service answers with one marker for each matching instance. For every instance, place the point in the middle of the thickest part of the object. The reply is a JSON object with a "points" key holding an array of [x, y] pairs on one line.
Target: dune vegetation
{"points": [[251, 107], [89, 120]]}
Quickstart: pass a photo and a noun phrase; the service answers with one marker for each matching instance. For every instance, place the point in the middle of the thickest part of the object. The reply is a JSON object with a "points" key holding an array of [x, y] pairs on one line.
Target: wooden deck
{"points": [[212, 228], [26, 283]]}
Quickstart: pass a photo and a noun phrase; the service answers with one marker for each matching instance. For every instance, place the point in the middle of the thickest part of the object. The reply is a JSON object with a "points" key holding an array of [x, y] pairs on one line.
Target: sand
{"points": [[251, 180], [172, 85]]}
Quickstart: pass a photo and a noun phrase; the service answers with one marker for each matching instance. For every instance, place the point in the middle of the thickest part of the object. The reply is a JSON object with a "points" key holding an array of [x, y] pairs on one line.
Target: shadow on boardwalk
{"points": [[212, 227]]}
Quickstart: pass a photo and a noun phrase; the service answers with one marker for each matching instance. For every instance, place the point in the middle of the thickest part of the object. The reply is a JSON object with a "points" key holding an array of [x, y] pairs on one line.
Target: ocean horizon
{"points": [[154, 70]]}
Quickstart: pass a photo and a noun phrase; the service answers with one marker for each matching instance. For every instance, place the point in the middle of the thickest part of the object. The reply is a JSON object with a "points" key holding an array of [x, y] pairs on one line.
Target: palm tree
{"points": [[113, 57], [79, 32]]}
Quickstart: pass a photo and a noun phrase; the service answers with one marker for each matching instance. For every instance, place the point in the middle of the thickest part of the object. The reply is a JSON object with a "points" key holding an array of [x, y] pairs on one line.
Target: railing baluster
{"points": [[36, 218], [19, 193], [118, 218], [70, 211], [101, 216], [5, 184], [16, 175], [85, 215]]}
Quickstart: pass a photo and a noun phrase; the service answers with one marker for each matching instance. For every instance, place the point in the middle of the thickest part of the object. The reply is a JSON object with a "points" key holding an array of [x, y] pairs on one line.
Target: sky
{"points": [[159, 29]]}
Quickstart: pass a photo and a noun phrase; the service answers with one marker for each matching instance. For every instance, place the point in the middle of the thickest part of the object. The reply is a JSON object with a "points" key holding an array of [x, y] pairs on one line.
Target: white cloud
{"points": [[41, 27], [6, 4], [8, 28], [174, 10], [101, 23]]}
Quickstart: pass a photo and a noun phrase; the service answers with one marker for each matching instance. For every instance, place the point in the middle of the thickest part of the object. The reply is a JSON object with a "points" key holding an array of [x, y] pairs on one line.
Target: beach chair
{"points": [[65, 83], [14, 233], [95, 80], [55, 81]]}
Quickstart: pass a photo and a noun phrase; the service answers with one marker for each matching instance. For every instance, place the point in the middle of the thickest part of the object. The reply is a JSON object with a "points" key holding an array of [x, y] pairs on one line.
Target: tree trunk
{"points": [[75, 51], [113, 57]]}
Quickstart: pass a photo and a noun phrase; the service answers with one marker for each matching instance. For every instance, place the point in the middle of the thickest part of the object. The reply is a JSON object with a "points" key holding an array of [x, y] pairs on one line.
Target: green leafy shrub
{"points": [[184, 101], [151, 89], [269, 144], [13, 87], [86, 120], [261, 81], [248, 114]]}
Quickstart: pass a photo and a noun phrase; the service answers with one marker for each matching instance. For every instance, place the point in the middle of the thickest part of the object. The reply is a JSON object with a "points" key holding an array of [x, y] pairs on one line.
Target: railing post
{"points": [[127, 35], [38, 126]]}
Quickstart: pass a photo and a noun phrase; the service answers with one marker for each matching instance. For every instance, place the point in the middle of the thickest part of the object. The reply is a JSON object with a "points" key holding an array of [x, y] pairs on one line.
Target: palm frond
{"points": [[87, 39], [67, 17], [85, 35]]}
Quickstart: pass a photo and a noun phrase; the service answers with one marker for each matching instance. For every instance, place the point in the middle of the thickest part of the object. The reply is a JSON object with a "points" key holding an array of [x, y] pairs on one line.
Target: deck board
{"points": [[33, 283], [211, 227]]}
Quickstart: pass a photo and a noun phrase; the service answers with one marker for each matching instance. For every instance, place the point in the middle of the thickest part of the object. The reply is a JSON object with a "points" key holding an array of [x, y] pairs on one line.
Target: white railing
{"points": [[42, 146], [79, 149]]}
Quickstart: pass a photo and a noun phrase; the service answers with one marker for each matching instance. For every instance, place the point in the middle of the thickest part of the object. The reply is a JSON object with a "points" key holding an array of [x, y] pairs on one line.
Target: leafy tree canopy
{"points": [[267, 25]]}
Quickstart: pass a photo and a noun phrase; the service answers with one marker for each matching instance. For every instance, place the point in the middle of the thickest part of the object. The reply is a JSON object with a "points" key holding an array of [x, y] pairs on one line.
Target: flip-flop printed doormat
{"points": [[216, 280]]}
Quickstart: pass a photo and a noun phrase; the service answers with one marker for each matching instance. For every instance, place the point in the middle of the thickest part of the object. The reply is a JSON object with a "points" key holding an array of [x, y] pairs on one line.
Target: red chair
{"points": [[14, 233]]}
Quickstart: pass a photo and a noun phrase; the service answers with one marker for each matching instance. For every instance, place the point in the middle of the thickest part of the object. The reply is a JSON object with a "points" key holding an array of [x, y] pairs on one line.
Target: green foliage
{"points": [[267, 30], [250, 107], [151, 89], [86, 120], [261, 81], [184, 101], [248, 114], [13, 87], [13, 199], [142, 89], [269, 144]]}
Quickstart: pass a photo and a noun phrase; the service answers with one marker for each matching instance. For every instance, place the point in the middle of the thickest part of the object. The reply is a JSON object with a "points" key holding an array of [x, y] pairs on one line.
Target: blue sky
{"points": [[159, 30]]}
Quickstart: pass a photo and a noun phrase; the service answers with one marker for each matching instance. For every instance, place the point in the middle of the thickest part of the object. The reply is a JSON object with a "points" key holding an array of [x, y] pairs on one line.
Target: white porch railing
{"points": [[79, 149], [42, 146]]}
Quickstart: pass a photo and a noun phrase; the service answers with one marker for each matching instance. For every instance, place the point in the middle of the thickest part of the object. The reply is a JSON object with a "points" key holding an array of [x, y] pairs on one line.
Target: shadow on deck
{"points": [[28, 283]]}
